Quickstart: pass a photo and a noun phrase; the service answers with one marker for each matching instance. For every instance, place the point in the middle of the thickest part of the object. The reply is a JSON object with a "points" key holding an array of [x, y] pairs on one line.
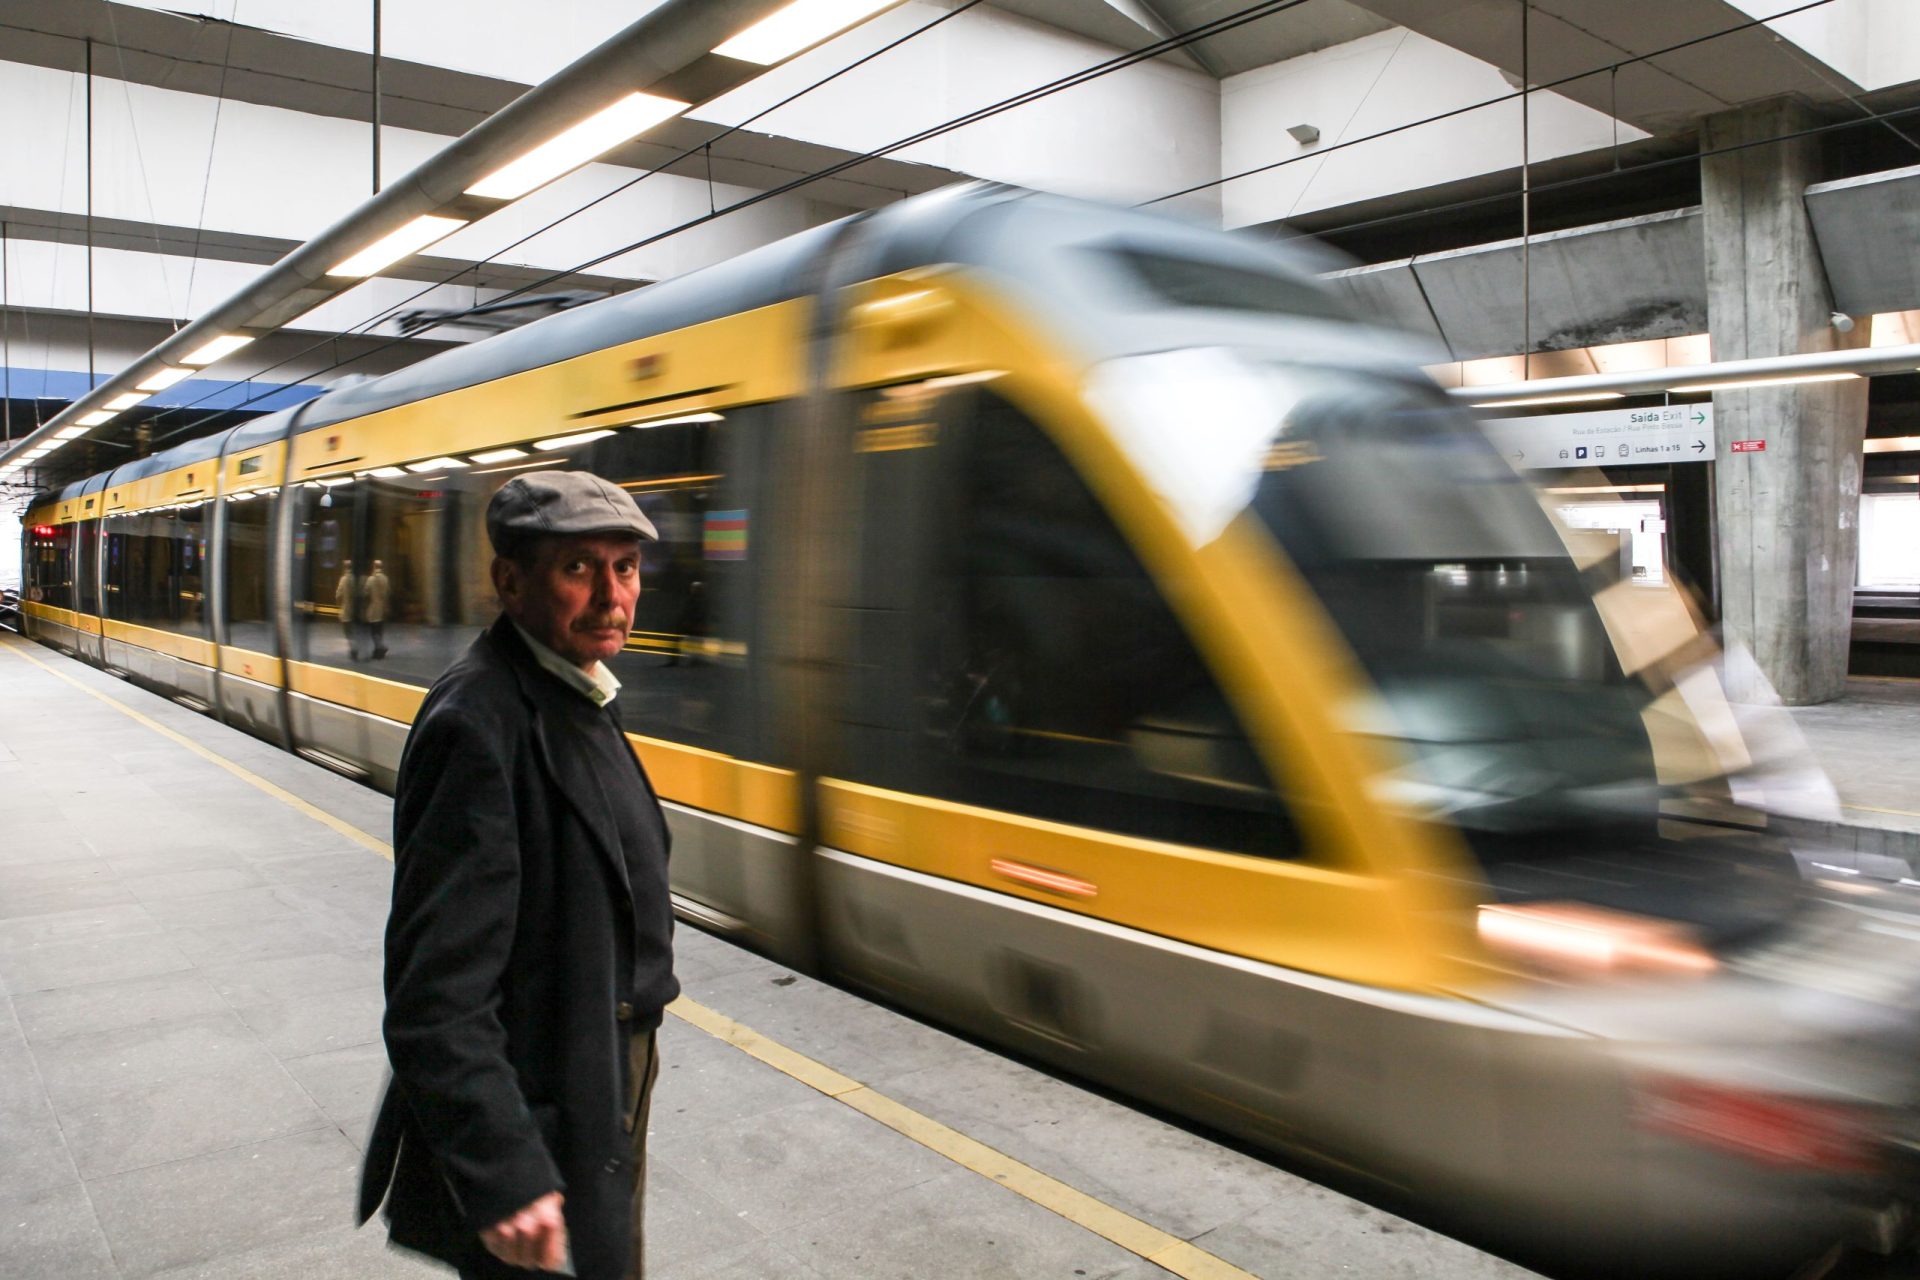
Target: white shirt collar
{"points": [[597, 686]]}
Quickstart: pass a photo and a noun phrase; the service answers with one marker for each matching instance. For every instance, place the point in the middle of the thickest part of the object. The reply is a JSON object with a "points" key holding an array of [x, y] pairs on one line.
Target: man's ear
{"points": [[506, 582]]}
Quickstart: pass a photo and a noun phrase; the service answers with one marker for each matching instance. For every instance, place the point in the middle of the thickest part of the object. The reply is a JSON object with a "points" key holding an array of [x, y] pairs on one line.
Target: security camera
{"points": [[1843, 322]]}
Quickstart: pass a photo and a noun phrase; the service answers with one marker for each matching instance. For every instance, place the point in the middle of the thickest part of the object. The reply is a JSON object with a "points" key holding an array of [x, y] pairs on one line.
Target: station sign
{"points": [[1607, 437]]}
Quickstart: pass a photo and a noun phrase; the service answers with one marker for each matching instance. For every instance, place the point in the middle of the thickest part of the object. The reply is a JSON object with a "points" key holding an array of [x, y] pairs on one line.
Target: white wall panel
{"points": [[1374, 83], [44, 276], [1874, 43], [507, 39], [1129, 135], [287, 174]]}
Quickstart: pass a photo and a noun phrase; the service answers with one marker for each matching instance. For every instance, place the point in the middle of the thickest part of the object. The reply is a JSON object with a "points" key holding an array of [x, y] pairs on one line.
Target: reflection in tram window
{"points": [[249, 526], [686, 665], [50, 565], [87, 583], [1054, 679], [156, 569]]}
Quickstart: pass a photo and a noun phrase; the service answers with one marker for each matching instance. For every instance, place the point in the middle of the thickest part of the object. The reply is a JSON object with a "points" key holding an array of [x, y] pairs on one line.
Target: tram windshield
{"points": [[1491, 662]]}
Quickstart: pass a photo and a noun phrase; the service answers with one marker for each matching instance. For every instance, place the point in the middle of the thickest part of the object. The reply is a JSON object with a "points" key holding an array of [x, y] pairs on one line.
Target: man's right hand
{"points": [[535, 1237]]}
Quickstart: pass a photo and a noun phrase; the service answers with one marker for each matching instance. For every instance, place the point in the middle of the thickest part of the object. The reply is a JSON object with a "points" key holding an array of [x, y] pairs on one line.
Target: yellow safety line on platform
{"points": [[1867, 808], [347, 829], [1166, 1251]]}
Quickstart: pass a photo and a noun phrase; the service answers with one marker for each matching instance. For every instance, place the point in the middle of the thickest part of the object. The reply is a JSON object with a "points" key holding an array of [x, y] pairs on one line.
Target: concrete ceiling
{"points": [[250, 64], [1663, 95], [1316, 24]]}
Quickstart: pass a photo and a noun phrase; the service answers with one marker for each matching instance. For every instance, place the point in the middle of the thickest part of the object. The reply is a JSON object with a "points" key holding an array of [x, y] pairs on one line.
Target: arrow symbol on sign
{"points": [[1698, 416], [1699, 446]]}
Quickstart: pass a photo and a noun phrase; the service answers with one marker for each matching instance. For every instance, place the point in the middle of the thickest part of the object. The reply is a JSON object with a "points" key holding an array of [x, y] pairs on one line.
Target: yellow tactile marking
{"points": [[347, 829], [1167, 1251]]}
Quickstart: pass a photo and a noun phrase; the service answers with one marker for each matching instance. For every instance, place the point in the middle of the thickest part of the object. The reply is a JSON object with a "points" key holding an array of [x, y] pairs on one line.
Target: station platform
{"points": [[1869, 743], [190, 998]]}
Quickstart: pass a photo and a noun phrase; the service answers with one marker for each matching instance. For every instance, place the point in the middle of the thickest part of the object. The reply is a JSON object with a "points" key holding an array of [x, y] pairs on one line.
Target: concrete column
{"points": [[1787, 519]]}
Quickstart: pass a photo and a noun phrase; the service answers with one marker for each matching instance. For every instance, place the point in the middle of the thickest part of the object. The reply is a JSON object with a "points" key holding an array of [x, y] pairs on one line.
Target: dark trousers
{"points": [[644, 1062]]}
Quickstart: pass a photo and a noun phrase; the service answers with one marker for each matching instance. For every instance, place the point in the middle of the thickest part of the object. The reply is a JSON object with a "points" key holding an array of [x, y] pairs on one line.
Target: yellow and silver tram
{"points": [[1071, 625]]}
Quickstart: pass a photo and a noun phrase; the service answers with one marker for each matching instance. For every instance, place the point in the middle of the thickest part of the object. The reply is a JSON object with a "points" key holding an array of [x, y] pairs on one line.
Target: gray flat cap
{"points": [[562, 502]]}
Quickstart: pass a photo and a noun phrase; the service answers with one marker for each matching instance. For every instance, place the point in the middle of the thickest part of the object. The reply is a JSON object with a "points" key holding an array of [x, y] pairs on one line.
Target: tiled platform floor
{"points": [[189, 1013]]}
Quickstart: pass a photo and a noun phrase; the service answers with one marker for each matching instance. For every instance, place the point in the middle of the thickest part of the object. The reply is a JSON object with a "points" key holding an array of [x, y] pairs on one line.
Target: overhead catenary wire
{"points": [[1218, 26], [1449, 114]]}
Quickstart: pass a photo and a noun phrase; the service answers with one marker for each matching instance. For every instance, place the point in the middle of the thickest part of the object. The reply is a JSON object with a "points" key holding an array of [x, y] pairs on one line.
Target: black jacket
{"points": [[524, 947]]}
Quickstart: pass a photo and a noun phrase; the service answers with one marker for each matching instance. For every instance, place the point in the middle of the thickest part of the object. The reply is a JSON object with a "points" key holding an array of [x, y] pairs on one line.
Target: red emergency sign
{"points": [[1749, 446]]}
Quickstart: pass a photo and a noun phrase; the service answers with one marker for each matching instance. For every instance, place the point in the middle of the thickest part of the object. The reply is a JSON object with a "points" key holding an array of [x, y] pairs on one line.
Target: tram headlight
{"points": [[1574, 940]]}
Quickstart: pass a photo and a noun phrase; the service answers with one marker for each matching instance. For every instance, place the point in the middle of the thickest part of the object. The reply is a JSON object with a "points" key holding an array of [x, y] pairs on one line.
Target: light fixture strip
{"points": [[216, 349], [574, 146], [567, 442], [497, 455], [94, 419], [395, 245], [162, 378], [434, 464], [797, 26], [126, 401]]}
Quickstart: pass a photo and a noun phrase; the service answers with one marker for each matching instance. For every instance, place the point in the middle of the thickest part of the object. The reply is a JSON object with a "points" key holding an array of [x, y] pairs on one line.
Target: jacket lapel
{"points": [[562, 755]]}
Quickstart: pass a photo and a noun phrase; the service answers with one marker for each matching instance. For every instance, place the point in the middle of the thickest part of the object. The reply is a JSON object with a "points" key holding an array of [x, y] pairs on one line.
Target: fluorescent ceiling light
{"points": [[573, 147], [499, 455], [787, 31], [216, 349], [126, 401], [567, 442], [395, 245], [94, 419], [673, 422], [1891, 444], [69, 433], [166, 377], [1570, 398], [434, 464], [385, 473], [1783, 380]]}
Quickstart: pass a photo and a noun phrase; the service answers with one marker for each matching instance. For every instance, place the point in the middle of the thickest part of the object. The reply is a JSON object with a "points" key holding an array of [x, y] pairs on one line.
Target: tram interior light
{"points": [[164, 378], [788, 30], [678, 420], [567, 442], [395, 245], [215, 349], [574, 146]]}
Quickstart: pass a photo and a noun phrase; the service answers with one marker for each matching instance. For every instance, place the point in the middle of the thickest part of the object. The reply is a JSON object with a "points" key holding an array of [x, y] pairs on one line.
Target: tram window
{"points": [[87, 589], [155, 569], [49, 565], [1056, 680], [687, 664], [249, 525], [1195, 282], [322, 572]]}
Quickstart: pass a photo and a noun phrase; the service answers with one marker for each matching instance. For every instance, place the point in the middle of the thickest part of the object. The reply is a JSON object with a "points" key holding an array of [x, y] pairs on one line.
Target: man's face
{"points": [[575, 594]]}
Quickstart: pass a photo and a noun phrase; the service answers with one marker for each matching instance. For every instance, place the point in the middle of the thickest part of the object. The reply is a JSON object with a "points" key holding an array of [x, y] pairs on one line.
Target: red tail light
{"points": [[1777, 1129]]}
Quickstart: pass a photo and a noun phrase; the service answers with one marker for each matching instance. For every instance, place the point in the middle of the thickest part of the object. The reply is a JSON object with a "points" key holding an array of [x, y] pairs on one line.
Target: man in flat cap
{"points": [[529, 949]]}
